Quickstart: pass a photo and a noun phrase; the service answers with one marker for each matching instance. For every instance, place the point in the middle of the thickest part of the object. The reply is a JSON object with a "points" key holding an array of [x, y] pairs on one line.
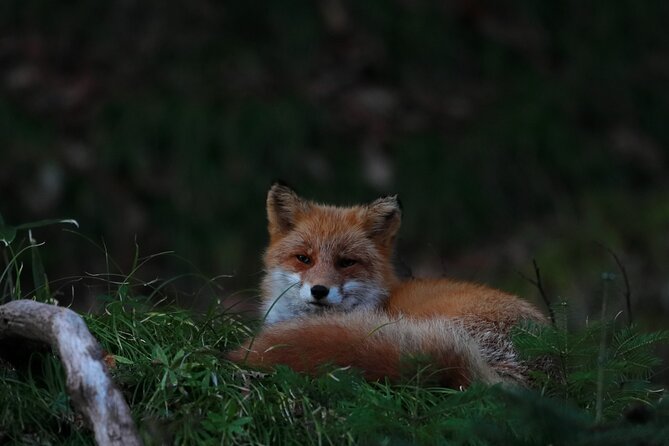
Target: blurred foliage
{"points": [[511, 130]]}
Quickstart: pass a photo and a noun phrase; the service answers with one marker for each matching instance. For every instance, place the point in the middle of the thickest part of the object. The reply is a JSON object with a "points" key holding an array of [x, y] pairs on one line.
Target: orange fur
{"points": [[371, 342], [368, 319], [444, 297]]}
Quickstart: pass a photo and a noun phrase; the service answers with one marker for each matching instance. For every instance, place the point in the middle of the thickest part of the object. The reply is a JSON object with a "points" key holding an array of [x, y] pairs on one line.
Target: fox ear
{"points": [[385, 217], [284, 207]]}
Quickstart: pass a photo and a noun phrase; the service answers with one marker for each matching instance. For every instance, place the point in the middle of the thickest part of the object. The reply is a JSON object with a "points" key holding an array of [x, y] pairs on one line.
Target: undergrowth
{"points": [[593, 387]]}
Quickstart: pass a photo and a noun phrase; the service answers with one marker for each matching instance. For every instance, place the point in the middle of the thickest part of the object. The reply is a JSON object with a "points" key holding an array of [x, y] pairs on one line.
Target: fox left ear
{"points": [[385, 217]]}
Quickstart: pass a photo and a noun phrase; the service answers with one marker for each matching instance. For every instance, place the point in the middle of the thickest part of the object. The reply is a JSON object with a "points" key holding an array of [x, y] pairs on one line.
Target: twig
{"points": [[623, 271], [540, 286]]}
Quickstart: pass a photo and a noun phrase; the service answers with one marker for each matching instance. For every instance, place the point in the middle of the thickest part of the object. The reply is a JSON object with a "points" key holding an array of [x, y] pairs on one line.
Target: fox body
{"points": [[331, 296]]}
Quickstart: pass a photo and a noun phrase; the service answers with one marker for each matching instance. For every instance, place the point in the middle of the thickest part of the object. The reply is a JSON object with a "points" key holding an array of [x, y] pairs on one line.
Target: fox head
{"points": [[326, 258]]}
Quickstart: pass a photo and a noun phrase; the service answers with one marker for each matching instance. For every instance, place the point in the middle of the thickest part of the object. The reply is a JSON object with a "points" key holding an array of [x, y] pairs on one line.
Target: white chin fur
{"points": [[290, 298], [283, 300]]}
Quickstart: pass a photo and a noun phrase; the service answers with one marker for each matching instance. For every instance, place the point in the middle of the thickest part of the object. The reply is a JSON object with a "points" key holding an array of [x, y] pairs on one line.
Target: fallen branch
{"points": [[92, 391]]}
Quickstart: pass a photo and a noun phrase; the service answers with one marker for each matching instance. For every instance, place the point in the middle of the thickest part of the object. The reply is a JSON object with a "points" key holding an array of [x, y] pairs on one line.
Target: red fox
{"points": [[330, 296]]}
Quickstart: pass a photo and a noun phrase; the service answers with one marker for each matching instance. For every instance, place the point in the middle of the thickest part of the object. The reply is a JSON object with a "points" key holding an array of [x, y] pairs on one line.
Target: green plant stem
{"points": [[253, 339], [602, 351], [10, 282], [15, 289]]}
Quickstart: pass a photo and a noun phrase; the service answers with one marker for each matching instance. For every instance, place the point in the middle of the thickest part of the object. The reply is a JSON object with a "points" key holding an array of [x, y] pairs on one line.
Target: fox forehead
{"points": [[333, 219], [324, 240]]}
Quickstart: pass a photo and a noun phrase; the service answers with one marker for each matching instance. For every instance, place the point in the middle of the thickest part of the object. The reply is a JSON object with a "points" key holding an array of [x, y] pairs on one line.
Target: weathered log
{"points": [[92, 391]]}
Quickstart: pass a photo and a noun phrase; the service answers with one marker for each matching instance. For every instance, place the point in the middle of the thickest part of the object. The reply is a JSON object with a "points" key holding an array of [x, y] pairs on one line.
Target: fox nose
{"points": [[319, 291]]}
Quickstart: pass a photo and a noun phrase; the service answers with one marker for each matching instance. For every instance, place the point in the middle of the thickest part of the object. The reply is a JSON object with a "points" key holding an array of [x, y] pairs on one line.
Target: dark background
{"points": [[512, 130]]}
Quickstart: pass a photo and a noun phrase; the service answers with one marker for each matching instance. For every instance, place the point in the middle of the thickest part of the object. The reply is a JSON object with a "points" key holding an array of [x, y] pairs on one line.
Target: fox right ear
{"points": [[385, 216], [284, 208]]}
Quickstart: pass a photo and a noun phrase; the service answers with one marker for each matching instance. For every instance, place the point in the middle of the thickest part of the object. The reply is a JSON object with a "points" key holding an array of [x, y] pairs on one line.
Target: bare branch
{"points": [[623, 271], [540, 286]]}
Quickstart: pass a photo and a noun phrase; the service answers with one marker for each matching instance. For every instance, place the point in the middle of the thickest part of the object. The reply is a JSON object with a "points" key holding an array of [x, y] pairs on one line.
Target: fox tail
{"points": [[445, 351]]}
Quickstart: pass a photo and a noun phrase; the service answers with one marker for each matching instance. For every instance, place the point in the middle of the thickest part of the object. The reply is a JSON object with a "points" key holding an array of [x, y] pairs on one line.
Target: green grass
{"points": [[170, 364], [171, 367]]}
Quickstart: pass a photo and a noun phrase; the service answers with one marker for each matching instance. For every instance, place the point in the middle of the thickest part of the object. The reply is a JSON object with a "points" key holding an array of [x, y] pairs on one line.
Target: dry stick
{"points": [[540, 286], [628, 292], [92, 391]]}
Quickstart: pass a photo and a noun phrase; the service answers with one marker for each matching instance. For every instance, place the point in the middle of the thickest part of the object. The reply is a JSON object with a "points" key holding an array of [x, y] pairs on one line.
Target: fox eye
{"points": [[345, 263], [304, 259]]}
